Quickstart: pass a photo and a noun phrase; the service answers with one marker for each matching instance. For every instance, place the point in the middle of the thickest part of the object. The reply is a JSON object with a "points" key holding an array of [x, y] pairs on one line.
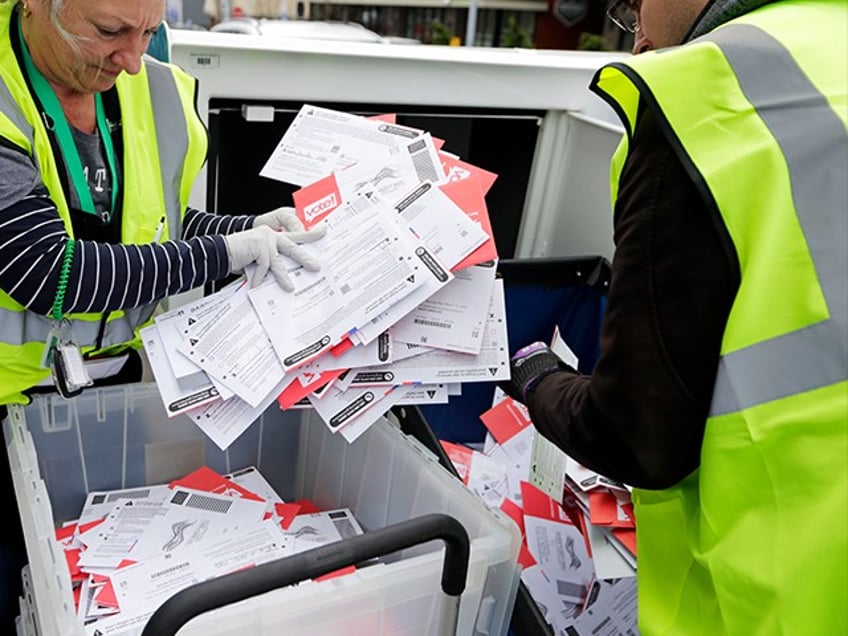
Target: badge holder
{"points": [[64, 359]]}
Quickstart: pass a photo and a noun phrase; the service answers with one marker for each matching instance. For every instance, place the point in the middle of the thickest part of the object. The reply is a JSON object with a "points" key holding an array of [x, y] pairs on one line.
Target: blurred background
{"points": [[539, 24]]}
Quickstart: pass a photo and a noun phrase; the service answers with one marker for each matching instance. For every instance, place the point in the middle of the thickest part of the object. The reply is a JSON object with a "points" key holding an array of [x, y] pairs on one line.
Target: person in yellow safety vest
{"points": [[721, 391], [99, 148]]}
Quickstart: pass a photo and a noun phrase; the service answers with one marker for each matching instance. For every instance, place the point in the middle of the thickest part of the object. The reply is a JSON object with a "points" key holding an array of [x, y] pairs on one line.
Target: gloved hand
{"points": [[263, 246], [280, 219], [528, 366]]}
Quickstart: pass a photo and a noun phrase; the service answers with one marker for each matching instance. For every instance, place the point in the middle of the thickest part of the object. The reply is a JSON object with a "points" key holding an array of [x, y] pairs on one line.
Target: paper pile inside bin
{"points": [[131, 550], [404, 310], [578, 534]]}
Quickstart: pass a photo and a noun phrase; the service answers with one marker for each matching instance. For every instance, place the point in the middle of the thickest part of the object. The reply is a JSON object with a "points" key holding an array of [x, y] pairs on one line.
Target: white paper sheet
{"points": [[193, 516], [312, 530], [441, 224], [492, 364], [178, 394], [235, 349], [149, 584], [369, 261], [320, 141], [453, 318], [354, 429], [99, 503], [223, 422], [174, 326]]}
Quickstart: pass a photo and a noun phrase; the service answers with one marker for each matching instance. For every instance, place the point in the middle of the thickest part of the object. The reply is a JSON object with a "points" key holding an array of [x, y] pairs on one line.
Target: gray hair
{"points": [[56, 7]]}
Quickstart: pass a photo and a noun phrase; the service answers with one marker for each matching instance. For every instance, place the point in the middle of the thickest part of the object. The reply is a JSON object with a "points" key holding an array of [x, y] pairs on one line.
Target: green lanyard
{"points": [[53, 111]]}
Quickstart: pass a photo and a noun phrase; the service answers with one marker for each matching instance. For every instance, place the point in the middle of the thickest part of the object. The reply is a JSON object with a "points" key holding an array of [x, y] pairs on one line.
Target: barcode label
{"points": [[343, 526], [431, 323], [131, 494], [424, 168], [205, 60], [208, 503]]}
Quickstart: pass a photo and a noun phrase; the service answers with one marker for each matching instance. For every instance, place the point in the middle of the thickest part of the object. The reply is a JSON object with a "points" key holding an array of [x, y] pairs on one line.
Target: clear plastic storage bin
{"points": [[120, 437]]}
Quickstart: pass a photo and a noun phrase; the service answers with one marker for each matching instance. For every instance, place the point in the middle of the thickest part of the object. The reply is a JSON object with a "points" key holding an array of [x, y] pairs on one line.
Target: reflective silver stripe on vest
{"points": [[13, 111], [171, 136], [815, 145], [120, 330], [172, 142]]}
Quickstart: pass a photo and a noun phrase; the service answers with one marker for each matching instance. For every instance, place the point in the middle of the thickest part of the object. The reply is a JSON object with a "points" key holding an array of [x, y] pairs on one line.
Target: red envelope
{"points": [[337, 573], [506, 419], [65, 532], [72, 558], [287, 512], [514, 512], [627, 536], [306, 507], [389, 118], [460, 457], [91, 524], [295, 391], [458, 170], [344, 346], [469, 197], [538, 504], [603, 509], [106, 596]]}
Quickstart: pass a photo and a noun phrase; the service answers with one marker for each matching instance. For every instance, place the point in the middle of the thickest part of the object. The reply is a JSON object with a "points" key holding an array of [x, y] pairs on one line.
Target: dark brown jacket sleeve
{"points": [[640, 416]]}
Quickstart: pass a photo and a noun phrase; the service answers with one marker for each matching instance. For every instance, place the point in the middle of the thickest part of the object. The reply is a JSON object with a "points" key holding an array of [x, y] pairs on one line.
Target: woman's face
{"points": [[108, 37]]}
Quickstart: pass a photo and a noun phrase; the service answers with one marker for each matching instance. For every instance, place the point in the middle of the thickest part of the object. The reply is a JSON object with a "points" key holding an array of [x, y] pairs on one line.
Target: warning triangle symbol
{"points": [[193, 341], [411, 279], [493, 370], [431, 394], [191, 321]]}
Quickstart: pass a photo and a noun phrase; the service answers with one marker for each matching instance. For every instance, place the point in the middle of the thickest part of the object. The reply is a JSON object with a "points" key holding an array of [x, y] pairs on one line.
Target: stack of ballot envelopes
{"points": [[404, 309]]}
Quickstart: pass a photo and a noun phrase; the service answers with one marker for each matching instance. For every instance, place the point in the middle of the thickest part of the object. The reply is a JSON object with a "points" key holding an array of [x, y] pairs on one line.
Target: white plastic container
{"points": [[120, 437]]}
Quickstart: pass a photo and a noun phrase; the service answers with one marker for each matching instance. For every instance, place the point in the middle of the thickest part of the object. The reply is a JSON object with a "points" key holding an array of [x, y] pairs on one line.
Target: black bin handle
{"points": [[243, 584]]}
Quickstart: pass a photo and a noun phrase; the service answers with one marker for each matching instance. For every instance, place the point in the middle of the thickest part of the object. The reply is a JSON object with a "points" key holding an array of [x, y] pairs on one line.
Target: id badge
{"points": [[64, 358]]}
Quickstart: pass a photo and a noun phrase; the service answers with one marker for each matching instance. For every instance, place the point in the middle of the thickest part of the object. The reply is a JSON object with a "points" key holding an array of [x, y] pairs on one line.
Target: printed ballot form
{"points": [[320, 141], [405, 306], [234, 349], [179, 395], [174, 326], [454, 317], [368, 262], [492, 363], [390, 175]]}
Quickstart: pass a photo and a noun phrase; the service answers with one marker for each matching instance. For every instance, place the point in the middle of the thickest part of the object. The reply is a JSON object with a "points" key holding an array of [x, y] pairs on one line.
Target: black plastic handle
{"points": [[238, 586]]}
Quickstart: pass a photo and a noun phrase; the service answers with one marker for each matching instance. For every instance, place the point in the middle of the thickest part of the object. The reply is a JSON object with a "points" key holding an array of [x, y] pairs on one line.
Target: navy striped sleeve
{"points": [[103, 277], [199, 223]]}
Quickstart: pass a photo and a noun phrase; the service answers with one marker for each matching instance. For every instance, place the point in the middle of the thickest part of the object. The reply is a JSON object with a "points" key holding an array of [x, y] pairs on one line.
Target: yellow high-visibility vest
{"points": [[755, 542], [165, 145]]}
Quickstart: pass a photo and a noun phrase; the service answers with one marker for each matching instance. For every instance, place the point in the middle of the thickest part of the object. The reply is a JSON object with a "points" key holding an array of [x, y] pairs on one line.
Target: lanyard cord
{"points": [[55, 120]]}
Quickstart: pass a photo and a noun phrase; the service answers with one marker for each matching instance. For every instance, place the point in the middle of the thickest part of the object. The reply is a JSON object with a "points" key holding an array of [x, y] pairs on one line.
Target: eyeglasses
{"points": [[625, 14]]}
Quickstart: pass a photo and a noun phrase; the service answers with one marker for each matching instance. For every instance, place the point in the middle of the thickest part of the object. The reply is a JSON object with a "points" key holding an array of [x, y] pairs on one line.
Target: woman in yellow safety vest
{"points": [[99, 148]]}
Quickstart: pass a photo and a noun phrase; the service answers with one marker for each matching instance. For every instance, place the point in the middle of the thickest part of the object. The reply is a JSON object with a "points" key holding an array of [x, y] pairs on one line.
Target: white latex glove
{"points": [[280, 219], [263, 246]]}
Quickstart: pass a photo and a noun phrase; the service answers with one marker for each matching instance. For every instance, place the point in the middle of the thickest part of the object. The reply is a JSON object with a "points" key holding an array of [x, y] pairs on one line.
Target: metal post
{"points": [[471, 27]]}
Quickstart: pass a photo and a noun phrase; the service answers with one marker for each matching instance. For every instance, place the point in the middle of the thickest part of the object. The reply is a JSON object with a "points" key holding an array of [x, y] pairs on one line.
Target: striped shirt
{"points": [[106, 277]]}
